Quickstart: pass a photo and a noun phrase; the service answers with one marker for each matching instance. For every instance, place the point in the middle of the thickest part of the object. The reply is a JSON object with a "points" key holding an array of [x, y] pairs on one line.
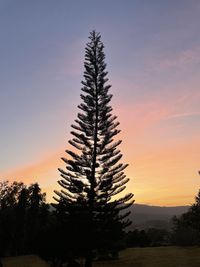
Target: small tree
{"points": [[94, 174], [187, 226], [36, 208], [23, 214], [10, 222]]}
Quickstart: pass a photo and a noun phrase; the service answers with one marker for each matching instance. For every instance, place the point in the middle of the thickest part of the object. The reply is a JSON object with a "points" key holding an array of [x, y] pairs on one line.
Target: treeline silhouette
{"points": [[28, 225], [186, 231], [23, 217]]}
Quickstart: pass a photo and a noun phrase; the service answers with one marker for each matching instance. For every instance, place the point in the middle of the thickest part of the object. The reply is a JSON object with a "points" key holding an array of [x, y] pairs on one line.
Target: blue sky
{"points": [[153, 54]]}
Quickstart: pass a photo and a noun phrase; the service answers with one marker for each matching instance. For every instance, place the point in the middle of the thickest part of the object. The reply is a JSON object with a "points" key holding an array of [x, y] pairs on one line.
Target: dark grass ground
{"points": [[133, 257], [24, 261], [157, 257]]}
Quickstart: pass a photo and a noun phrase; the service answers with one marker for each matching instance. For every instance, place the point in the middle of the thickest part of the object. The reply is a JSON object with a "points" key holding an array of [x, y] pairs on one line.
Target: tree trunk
{"points": [[88, 260]]}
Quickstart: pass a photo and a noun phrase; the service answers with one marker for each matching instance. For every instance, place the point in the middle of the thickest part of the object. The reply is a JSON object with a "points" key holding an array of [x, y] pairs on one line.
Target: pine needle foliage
{"points": [[94, 174]]}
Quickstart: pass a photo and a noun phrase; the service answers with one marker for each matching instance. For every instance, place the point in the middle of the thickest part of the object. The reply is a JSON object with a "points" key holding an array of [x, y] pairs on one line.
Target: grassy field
{"points": [[24, 261], [134, 257], [156, 257]]}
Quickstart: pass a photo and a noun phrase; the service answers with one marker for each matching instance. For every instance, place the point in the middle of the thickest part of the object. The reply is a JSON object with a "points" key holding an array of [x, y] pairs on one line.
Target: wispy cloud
{"points": [[177, 60], [187, 114], [37, 171]]}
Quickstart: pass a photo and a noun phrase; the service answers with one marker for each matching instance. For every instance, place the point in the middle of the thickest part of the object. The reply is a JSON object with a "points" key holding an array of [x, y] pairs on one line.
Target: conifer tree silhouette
{"points": [[94, 174]]}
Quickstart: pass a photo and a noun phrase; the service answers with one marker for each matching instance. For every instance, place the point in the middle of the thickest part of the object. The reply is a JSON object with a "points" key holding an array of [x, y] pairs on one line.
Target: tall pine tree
{"points": [[94, 174]]}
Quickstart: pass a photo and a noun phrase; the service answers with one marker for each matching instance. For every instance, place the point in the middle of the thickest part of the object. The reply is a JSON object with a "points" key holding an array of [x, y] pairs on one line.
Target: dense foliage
{"points": [[187, 226], [29, 226], [23, 217]]}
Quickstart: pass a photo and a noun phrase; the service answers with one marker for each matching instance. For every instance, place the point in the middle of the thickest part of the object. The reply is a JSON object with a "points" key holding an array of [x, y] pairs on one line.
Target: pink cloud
{"points": [[36, 171], [187, 114]]}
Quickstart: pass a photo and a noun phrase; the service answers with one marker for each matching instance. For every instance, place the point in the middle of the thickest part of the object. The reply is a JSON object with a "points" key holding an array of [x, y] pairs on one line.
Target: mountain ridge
{"points": [[149, 216]]}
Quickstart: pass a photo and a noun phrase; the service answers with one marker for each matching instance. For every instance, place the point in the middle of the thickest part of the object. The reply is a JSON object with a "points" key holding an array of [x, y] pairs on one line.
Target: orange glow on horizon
{"points": [[155, 177], [162, 167]]}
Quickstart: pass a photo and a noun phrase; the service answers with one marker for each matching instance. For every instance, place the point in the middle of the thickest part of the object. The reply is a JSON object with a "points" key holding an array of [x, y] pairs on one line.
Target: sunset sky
{"points": [[152, 52]]}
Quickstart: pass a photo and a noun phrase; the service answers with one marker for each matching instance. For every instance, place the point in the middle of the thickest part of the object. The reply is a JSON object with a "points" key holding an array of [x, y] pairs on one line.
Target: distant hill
{"points": [[145, 216]]}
